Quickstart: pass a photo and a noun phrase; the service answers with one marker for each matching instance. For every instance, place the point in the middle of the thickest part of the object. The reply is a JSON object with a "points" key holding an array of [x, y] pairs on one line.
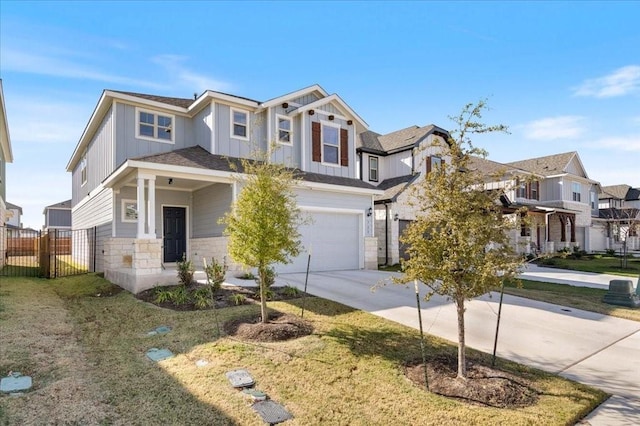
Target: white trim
{"points": [[296, 94], [322, 143], [339, 101], [233, 110], [212, 117], [303, 142], [277, 133], [328, 113], [377, 169], [5, 137], [88, 197], [123, 203], [83, 168], [187, 230], [156, 126]]}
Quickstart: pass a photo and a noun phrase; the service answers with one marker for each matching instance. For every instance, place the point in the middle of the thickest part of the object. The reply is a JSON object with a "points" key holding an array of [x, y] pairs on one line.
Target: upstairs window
{"points": [[521, 190], [83, 168], [593, 200], [434, 163], [330, 144], [239, 124], [575, 191], [373, 169], [154, 126], [284, 130], [534, 192]]}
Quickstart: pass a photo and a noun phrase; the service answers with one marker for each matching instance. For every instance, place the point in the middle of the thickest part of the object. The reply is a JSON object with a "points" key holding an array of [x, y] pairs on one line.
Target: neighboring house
{"points": [[567, 198], [6, 156], [555, 190], [13, 216], [619, 217], [57, 216], [151, 176], [393, 162]]}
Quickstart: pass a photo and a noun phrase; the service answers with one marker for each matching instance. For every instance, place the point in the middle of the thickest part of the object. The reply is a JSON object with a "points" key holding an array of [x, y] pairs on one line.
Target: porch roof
{"points": [[196, 157], [394, 187]]}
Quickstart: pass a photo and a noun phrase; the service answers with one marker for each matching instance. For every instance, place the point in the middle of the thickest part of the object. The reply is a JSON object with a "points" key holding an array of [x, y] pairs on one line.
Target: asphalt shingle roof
{"points": [[179, 102], [614, 191], [200, 158], [618, 214], [394, 186], [61, 205], [394, 141], [546, 166]]}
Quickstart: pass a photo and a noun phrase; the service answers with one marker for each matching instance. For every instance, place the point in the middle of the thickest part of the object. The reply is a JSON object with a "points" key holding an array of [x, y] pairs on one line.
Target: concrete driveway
{"points": [[594, 349]]}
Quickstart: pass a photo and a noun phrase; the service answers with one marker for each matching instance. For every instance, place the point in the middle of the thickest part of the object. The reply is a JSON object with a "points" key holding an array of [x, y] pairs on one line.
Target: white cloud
{"points": [[47, 64], [181, 76], [623, 81], [629, 143], [552, 128]]}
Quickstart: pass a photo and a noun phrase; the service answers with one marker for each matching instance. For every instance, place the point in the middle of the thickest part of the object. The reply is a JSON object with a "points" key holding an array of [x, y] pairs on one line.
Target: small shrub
{"points": [[202, 298], [610, 252], [530, 257], [185, 271], [161, 295], [268, 293], [246, 276], [549, 261], [216, 273], [290, 291], [238, 299], [180, 296]]}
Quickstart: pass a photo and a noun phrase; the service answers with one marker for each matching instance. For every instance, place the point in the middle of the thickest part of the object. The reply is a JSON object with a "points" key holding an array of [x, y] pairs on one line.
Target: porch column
{"points": [[572, 222], [563, 228], [141, 208], [152, 207]]}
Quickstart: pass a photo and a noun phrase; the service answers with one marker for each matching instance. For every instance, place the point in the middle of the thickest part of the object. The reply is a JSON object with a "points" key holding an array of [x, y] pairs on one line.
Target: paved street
{"points": [[594, 349]]}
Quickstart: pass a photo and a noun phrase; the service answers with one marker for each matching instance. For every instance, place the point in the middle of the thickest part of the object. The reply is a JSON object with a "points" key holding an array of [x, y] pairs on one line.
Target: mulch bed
{"points": [[484, 386], [279, 328], [223, 297]]}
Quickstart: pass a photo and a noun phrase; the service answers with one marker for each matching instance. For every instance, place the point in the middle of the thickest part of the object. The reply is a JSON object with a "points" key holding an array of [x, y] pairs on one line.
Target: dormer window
{"points": [[239, 124], [575, 191], [330, 144], [284, 130], [154, 126]]}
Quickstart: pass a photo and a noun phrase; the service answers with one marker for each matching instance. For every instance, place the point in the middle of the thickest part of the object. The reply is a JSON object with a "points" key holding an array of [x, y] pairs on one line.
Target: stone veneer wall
{"points": [[215, 247], [371, 253]]}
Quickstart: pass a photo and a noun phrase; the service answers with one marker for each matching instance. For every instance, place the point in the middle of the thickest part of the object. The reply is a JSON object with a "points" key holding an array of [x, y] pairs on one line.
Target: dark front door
{"points": [[175, 230]]}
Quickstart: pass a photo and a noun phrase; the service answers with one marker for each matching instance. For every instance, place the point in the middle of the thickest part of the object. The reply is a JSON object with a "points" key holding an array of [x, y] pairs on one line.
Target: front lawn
{"points": [[84, 344], [585, 298], [601, 264]]}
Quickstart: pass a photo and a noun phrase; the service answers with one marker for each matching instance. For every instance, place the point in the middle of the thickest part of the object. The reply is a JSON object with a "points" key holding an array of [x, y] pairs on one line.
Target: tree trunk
{"points": [[262, 272], [462, 364]]}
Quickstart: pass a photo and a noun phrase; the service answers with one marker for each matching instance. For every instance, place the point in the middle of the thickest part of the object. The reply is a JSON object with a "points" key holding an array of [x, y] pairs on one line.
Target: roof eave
{"points": [[5, 137]]}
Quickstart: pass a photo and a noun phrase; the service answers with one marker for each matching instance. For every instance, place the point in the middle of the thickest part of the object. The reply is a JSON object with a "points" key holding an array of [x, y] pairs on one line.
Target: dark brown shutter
{"points": [[442, 163], [428, 164], [316, 148], [344, 147]]}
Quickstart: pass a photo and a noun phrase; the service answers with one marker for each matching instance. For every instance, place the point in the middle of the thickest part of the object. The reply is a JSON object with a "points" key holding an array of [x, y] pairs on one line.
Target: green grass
{"points": [[601, 264], [87, 357], [585, 298]]}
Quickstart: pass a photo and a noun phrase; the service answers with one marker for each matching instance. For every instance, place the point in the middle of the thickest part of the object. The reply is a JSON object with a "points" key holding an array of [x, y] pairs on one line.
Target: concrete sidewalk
{"points": [[594, 349], [564, 276]]}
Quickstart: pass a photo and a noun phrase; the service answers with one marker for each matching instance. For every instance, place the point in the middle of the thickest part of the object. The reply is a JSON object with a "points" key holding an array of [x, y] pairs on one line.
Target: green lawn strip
{"points": [[348, 372], [600, 264], [585, 298]]}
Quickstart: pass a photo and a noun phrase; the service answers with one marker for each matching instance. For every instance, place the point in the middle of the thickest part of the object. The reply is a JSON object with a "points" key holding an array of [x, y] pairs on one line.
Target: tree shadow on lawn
{"points": [[320, 306]]}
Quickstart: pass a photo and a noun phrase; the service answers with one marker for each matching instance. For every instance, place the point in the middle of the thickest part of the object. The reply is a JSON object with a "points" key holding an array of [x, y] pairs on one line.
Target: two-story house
{"points": [[393, 162], [619, 217], [57, 216], [6, 156], [151, 175]]}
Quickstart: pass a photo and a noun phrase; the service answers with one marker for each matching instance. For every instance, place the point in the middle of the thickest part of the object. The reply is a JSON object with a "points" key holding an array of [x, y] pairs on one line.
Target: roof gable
{"points": [[552, 165], [400, 139], [614, 191]]}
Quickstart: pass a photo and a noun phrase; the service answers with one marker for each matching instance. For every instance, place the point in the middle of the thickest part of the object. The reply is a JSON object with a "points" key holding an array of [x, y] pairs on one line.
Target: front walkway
{"points": [[594, 349]]}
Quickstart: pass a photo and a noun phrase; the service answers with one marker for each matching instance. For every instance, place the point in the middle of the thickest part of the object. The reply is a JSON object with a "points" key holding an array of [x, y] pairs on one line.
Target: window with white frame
{"points": [[239, 124], [330, 144], [129, 211], [521, 190], [284, 130], [83, 168], [373, 169], [575, 191], [593, 200], [154, 126]]}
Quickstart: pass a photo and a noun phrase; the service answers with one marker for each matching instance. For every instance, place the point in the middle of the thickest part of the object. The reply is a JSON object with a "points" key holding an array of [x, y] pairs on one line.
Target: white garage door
{"points": [[334, 240]]}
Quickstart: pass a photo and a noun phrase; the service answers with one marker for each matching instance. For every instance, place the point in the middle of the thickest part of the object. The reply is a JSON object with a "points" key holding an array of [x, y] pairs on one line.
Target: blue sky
{"points": [[563, 76]]}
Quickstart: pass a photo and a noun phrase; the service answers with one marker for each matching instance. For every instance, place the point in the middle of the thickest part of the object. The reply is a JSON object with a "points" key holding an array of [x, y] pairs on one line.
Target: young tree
{"points": [[262, 225], [458, 245]]}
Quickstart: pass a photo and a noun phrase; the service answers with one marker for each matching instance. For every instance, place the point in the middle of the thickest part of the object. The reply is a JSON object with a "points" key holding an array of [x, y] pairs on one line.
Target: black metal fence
{"points": [[48, 254]]}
